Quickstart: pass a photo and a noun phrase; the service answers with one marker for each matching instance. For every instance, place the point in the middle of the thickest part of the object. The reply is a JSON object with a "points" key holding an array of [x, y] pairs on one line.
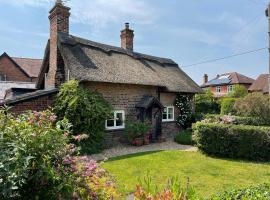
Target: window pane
{"points": [[164, 116], [110, 123], [119, 119], [170, 116], [170, 110]]}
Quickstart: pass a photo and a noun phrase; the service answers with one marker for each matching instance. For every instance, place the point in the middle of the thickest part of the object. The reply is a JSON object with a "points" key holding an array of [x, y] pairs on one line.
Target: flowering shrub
{"points": [[184, 104], [173, 191], [86, 110], [37, 161]]}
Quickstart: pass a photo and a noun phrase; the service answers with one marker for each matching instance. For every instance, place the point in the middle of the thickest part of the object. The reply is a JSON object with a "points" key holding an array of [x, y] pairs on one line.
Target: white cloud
{"points": [[99, 13]]}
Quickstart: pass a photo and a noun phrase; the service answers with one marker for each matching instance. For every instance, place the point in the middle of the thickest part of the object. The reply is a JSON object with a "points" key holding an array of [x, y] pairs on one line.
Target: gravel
{"points": [[122, 149]]}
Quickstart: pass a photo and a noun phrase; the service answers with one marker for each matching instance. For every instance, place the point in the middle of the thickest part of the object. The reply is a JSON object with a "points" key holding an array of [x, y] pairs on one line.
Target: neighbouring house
{"points": [[261, 84], [223, 84], [17, 75], [139, 86]]}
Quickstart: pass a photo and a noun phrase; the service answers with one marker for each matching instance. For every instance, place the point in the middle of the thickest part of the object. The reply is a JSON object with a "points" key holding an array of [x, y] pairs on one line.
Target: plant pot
{"points": [[138, 142]]}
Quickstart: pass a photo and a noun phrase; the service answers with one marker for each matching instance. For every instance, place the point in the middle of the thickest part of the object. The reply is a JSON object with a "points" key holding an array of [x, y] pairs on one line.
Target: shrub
{"points": [[184, 104], [173, 191], [184, 137], [229, 119], [206, 103], [227, 106], [239, 91], [37, 162], [233, 141], [260, 192], [254, 105], [136, 130], [86, 110]]}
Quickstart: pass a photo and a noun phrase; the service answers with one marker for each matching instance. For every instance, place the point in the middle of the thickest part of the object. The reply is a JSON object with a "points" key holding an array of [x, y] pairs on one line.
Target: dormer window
{"points": [[3, 77]]}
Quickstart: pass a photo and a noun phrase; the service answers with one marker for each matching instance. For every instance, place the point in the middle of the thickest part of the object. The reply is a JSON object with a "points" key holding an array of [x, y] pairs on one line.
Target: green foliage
{"points": [[184, 104], [233, 141], [86, 110], [184, 137], [174, 190], [227, 106], [136, 130], [259, 192], [37, 161], [254, 105], [206, 103], [29, 144], [212, 118], [239, 91]]}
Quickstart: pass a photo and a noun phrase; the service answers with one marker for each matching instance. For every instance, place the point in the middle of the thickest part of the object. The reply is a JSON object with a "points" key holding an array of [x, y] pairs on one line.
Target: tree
{"points": [[239, 91]]}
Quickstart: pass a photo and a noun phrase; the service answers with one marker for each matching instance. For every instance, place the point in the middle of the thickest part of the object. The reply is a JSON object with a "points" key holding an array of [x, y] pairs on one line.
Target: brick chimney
{"points": [[59, 22], [205, 78], [127, 37]]}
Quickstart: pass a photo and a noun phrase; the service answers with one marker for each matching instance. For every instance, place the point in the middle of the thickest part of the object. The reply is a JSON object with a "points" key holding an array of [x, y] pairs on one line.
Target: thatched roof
{"points": [[229, 79], [92, 61], [260, 84]]}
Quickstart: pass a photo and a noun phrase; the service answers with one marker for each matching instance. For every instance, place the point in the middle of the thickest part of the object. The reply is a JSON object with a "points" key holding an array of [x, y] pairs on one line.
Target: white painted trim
{"points": [[168, 120], [114, 115]]}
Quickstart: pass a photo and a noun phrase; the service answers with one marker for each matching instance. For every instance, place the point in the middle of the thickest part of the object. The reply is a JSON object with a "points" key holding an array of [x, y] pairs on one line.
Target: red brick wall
{"points": [[13, 73], [35, 104]]}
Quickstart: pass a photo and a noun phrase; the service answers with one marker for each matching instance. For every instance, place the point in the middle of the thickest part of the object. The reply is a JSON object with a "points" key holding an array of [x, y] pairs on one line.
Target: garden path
{"points": [[122, 149]]}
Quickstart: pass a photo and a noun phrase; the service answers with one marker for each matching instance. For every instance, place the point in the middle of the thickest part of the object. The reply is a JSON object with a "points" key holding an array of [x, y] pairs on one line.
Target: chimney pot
{"points": [[205, 78], [127, 38]]}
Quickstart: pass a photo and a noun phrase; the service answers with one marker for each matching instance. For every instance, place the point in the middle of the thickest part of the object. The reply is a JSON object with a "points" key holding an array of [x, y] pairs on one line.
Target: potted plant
{"points": [[136, 133]]}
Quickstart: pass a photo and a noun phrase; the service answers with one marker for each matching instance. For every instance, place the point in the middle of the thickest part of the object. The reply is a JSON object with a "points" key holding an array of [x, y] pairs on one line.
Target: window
{"points": [[117, 120], [2, 77], [230, 88], [218, 89], [168, 114]]}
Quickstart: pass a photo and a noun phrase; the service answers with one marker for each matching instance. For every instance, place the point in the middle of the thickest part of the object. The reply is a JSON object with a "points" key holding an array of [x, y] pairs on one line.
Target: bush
{"points": [[260, 192], [37, 162], [184, 137], [233, 141], [230, 119], [173, 191], [227, 106], [86, 110], [206, 103], [185, 117], [136, 130], [254, 105], [239, 91]]}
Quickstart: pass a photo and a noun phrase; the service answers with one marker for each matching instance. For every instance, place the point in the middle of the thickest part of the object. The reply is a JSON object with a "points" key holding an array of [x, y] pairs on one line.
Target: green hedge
{"points": [[260, 192], [184, 137], [233, 141], [227, 106], [253, 121]]}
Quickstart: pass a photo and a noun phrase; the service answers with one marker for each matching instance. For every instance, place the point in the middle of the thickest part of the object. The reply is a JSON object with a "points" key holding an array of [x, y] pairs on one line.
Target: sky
{"points": [[187, 31]]}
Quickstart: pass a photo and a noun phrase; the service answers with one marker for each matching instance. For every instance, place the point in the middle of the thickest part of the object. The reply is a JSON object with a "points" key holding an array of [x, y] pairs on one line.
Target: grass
{"points": [[207, 175]]}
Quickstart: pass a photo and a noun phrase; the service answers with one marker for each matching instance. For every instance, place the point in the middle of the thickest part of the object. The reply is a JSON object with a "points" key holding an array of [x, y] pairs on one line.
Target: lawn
{"points": [[208, 175]]}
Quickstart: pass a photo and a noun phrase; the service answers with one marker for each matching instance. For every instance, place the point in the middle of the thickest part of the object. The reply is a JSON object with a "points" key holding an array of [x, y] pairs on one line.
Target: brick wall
{"points": [[125, 97], [35, 104], [13, 73]]}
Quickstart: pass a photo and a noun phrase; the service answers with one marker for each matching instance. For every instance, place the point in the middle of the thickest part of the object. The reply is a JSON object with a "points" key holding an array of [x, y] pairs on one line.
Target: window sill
{"points": [[115, 128], [168, 121]]}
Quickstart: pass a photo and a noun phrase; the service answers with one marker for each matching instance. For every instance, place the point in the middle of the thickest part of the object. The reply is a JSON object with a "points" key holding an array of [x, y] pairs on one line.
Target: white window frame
{"points": [[168, 120], [230, 88], [115, 115], [218, 89]]}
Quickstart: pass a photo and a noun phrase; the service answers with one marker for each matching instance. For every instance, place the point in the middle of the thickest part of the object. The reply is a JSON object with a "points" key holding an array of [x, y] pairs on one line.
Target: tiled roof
{"points": [[260, 84], [29, 65], [229, 78]]}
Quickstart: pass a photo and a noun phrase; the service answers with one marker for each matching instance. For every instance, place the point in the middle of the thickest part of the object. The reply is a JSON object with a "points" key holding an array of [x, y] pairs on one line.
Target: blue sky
{"points": [[188, 31]]}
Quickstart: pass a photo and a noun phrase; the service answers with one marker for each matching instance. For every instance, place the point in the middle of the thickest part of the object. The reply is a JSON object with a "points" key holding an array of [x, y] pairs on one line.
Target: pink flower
{"points": [[53, 118]]}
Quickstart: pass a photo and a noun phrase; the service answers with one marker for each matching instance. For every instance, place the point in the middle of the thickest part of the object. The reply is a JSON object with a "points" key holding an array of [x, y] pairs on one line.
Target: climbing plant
{"points": [[184, 105]]}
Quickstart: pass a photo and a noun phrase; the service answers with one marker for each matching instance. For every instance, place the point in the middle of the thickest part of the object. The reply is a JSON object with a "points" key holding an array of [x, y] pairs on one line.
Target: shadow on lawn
{"points": [[134, 155]]}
